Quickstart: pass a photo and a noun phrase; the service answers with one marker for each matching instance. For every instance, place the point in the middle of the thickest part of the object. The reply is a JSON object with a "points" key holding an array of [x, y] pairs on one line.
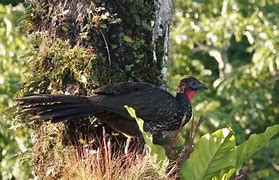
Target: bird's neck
{"points": [[183, 100], [184, 106]]}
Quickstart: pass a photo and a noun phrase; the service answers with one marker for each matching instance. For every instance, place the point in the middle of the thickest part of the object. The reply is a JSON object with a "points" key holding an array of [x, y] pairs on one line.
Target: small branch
{"points": [[175, 135], [108, 52], [242, 174], [188, 149], [178, 130], [185, 154]]}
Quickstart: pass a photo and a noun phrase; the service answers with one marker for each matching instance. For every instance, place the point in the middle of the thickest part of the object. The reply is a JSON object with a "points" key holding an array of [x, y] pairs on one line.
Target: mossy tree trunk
{"points": [[77, 46]]}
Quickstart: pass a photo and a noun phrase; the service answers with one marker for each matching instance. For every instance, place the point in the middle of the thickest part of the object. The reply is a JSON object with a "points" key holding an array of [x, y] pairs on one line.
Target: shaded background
{"points": [[230, 45]]}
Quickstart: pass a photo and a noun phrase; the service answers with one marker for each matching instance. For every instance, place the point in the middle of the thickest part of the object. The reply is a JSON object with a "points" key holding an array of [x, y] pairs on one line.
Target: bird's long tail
{"points": [[57, 107]]}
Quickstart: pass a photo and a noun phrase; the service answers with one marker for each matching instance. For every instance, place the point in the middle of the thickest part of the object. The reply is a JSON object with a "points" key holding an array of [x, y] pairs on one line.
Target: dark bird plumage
{"points": [[160, 110]]}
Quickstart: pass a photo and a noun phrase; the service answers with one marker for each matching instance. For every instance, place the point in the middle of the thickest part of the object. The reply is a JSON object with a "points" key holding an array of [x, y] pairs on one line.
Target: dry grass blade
{"points": [[106, 164]]}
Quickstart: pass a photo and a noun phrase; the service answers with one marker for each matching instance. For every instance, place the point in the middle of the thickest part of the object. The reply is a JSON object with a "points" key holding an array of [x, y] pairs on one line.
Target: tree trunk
{"points": [[77, 46]]}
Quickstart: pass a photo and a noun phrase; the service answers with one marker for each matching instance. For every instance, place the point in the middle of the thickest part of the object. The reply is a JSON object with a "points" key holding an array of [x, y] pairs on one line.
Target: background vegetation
{"points": [[14, 138], [231, 45]]}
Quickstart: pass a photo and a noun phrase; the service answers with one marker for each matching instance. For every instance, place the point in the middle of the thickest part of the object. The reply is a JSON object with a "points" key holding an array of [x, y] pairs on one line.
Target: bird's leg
{"points": [[175, 135], [128, 141], [158, 138]]}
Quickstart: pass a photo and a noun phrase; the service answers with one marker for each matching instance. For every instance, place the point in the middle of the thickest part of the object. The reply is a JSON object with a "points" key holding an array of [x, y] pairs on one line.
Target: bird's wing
{"points": [[122, 88], [151, 104], [155, 105]]}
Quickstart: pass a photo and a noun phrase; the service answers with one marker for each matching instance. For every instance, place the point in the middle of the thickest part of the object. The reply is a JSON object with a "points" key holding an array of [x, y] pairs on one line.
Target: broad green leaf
{"points": [[246, 150], [254, 143], [212, 153], [154, 149], [216, 154]]}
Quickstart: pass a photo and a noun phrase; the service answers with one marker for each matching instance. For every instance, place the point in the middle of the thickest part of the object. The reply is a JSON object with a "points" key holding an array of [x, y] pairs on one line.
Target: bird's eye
{"points": [[193, 83]]}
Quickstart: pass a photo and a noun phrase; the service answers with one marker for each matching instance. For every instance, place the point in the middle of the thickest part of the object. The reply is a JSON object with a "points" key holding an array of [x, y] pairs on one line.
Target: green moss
{"points": [[56, 66], [120, 32]]}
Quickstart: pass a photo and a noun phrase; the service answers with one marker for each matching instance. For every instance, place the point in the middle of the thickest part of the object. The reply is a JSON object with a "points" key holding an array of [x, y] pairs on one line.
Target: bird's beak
{"points": [[200, 86]]}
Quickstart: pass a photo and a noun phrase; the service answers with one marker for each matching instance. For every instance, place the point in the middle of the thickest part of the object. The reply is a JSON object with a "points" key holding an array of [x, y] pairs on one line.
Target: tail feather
{"points": [[53, 107], [65, 114], [57, 107], [49, 99]]}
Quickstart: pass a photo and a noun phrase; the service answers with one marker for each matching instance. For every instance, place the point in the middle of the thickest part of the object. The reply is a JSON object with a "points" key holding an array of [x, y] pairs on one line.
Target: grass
{"points": [[105, 164]]}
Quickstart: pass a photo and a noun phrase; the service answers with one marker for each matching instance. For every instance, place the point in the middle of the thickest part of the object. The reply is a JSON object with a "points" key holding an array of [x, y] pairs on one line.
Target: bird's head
{"points": [[189, 86]]}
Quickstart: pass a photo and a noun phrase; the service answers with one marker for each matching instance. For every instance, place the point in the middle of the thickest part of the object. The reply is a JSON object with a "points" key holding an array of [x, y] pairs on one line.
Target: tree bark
{"points": [[77, 46]]}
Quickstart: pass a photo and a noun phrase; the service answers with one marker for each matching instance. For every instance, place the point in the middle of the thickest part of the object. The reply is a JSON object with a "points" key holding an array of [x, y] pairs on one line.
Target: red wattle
{"points": [[190, 93]]}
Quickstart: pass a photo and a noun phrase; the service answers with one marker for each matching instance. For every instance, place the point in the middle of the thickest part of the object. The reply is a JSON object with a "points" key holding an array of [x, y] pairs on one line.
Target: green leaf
{"points": [[155, 150], [127, 39], [216, 156], [146, 26], [129, 67], [254, 143], [212, 153]]}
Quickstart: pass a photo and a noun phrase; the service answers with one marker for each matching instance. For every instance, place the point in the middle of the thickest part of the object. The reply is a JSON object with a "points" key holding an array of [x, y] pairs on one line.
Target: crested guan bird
{"points": [[160, 110]]}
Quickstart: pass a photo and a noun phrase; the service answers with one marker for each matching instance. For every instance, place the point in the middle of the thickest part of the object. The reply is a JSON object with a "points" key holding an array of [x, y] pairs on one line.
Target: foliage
{"points": [[12, 2], [14, 139], [217, 156], [232, 46]]}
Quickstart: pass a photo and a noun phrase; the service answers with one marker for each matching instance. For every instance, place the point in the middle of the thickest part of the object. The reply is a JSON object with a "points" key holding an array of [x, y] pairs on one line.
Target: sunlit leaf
{"points": [[254, 143], [127, 39], [212, 153], [216, 153]]}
